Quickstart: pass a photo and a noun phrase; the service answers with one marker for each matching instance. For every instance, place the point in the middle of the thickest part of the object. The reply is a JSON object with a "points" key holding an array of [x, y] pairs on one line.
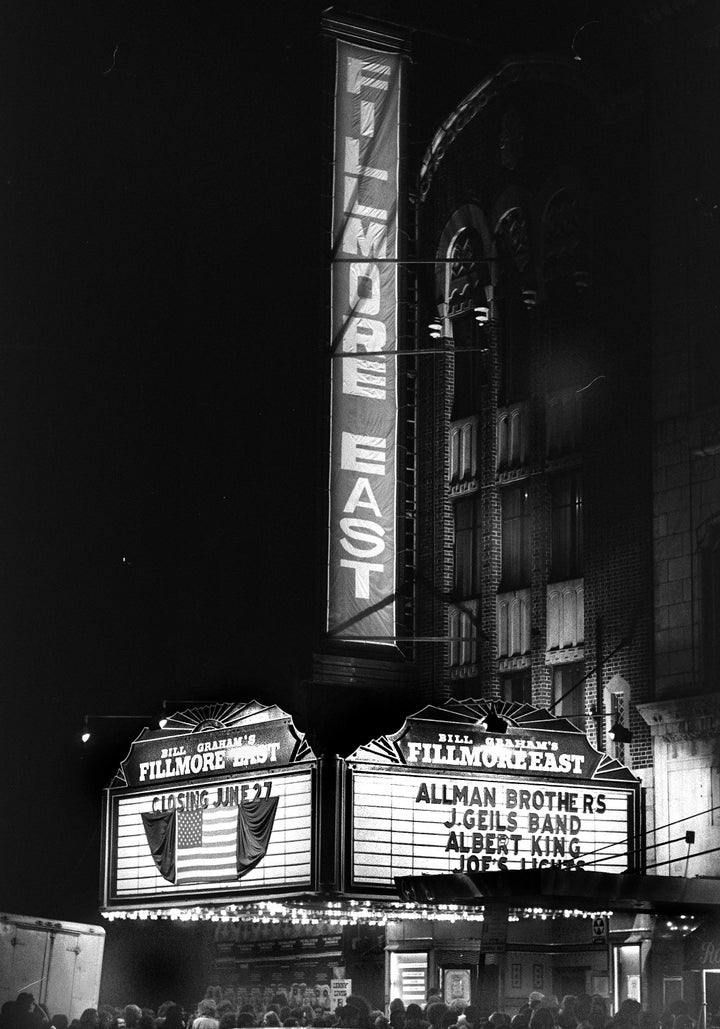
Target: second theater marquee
{"points": [[446, 795]]}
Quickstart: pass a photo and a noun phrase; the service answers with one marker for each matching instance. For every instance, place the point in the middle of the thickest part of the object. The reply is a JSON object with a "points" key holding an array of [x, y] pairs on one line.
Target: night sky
{"points": [[161, 329]]}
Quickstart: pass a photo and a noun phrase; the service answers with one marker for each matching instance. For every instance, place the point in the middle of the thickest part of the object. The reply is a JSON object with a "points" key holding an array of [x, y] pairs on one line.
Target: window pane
{"points": [[567, 527], [466, 399], [515, 537], [467, 547], [517, 687], [568, 696]]}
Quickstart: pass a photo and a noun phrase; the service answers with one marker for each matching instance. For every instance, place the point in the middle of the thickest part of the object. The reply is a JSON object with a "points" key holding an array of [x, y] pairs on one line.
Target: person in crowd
{"points": [[583, 1006], [132, 1015], [524, 1013], [173, 1017], [27, 1014], [146, 1022], [59, 1021], [551, 1002], [435, 1013], [499, 1020], [90, 1019], [683, 1022], [206, 1015], [414, 1017], [542, 1018], [397, 1018], [355, 1013], [599, 1014], [7, 1015], [648, 1020], [472, 1016], [272, 1019], [247, 1018], [627, 1015], [567, 1014]]}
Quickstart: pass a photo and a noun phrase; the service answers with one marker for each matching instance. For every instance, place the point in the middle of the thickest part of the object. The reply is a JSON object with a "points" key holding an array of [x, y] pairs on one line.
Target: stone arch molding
{"points": [[469, 216], [564, 248]]}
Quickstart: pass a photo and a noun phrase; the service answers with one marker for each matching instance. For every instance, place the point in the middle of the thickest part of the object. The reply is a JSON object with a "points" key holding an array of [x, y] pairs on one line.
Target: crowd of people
{"points": [[302, 1007]]}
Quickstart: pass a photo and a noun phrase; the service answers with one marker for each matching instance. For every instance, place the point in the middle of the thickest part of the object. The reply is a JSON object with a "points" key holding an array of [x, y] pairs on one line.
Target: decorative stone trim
{"points": [[681, 719]]}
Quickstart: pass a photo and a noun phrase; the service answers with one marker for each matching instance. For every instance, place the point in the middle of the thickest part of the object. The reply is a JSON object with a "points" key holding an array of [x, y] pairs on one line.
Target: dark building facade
{"points": [[530, 631], [558, 398]]}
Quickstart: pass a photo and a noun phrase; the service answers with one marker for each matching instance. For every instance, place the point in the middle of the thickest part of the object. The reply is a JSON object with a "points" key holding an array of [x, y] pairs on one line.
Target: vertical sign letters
{"points": [[362, 504]]}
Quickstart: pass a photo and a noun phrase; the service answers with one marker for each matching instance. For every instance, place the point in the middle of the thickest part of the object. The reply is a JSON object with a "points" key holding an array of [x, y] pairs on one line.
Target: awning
{"points": [[563, 888]]}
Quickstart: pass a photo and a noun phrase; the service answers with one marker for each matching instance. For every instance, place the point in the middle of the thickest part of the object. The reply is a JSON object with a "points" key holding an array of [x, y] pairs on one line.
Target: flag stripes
{"points": [[206, 845]]}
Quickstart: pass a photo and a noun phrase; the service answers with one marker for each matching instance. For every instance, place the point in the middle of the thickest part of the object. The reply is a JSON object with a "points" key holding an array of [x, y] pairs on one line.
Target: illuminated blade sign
{"points": [[364, 403]]}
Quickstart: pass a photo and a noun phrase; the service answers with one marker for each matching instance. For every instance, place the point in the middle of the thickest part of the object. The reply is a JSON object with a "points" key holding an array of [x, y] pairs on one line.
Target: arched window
{"points": [[512, 299], [466, 277]]}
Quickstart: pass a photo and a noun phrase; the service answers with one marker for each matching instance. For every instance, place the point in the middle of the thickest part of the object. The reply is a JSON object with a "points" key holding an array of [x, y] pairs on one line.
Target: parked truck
{"points": [[60, 963]]}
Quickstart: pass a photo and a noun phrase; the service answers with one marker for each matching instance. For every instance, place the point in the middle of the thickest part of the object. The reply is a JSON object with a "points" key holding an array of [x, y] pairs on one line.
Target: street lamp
{"points": [[86, 734], [619, 732]]}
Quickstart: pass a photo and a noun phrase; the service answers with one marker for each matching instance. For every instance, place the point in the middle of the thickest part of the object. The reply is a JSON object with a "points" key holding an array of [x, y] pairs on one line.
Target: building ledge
{"points": [[563, 888], [695, 717]]}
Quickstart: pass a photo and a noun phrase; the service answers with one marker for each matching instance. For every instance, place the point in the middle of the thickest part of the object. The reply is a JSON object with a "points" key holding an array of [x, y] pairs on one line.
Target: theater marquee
{"points": [[446, 795], [220, 803]]}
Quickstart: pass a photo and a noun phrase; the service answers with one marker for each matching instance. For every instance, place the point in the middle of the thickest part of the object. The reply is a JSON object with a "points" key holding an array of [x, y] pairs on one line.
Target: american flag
{"points": [[207, 842]]}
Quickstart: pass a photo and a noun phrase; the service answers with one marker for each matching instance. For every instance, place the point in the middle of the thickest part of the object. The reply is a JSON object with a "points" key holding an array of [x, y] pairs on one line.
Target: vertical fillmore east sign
{"points": [[364, 300]]}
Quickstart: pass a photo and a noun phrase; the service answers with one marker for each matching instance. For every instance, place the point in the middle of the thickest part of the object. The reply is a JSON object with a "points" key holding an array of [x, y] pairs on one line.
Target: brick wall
{"points": [[567, 346]]}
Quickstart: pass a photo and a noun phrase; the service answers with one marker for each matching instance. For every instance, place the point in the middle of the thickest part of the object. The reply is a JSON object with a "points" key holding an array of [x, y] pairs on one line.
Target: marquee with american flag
{"points": [[185, 836]]}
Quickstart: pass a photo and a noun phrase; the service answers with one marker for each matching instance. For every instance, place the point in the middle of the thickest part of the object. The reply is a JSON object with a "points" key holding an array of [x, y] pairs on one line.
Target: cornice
{"points": [[513, 70], [652, 13], [680, 719]]}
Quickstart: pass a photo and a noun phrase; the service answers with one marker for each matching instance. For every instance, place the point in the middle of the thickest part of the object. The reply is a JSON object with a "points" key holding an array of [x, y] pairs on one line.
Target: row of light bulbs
{"points": [[339, 913]]}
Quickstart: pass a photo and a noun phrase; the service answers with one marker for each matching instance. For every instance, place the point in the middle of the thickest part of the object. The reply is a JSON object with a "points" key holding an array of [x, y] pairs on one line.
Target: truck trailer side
{"points": [[60, 963]]}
